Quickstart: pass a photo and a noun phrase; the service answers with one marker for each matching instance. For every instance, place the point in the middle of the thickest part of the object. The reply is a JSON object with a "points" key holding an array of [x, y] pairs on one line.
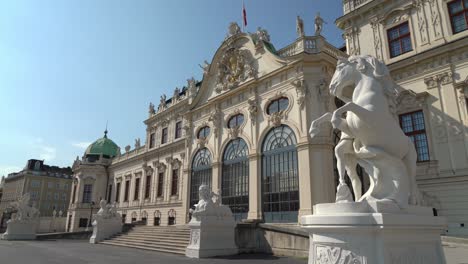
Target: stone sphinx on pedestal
{"points": [[107, 223], [211, 228], [386, 224], [23, 225]]}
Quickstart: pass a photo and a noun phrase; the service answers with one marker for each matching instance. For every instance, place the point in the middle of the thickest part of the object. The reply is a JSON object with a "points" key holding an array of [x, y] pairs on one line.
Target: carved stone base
{"points": [[373, 233], [211, 236], [17, 230], [105, 228]]}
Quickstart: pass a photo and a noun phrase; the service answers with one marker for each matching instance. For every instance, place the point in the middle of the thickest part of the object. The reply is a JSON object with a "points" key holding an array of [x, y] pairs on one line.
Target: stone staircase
{"points": [[169, 239]]}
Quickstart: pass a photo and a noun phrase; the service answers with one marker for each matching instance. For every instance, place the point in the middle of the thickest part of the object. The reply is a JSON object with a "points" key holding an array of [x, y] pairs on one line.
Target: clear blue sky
{"points": [[66, 67]]}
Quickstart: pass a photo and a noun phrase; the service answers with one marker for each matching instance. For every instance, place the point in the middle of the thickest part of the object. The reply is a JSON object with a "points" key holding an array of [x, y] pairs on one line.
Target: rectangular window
{"points": [[64, 196], [56, 196], [399, 40], [148, 186], [73, 193], [413, 126], [49, 196], [117, 193], [65, 186], [35, 183], [57, 185], [50, 185], [160, 184], [178, 129], [137, 189], [87, 193], [151, 141], [127, 189], [164, 136], [458, 11], [175, 182]]}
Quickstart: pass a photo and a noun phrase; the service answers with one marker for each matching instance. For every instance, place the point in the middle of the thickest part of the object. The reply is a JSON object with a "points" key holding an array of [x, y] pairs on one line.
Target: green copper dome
{"points": [[103, 146]]}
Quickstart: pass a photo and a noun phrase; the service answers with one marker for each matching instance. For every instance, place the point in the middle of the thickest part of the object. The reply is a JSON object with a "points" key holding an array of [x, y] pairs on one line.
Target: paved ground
{"points": [[81, 252]]}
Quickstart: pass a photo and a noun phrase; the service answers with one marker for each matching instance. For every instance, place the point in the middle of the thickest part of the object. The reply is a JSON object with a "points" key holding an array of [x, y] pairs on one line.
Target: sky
{"points": [[68, 67]]}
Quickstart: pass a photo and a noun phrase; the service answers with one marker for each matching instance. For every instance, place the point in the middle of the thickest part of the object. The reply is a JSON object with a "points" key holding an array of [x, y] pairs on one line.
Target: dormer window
{"points": [[399, 40], [278, 105], [204, 132]]}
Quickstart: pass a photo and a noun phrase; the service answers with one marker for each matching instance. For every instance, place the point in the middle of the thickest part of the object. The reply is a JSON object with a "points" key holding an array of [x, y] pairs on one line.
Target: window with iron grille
{"points": [[413, 126], [160, 184], [151, 141], [399, 40], [201, 173], [117, 192], [87, 193], [175, 182], [164, 136], [137, 189], [278, 105], [178, 129], [147, 186], [458, 11], [127, 190]]}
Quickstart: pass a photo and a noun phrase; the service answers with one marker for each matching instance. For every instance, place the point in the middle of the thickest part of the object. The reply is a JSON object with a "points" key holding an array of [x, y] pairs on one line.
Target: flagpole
{"points": [[242, 15]]}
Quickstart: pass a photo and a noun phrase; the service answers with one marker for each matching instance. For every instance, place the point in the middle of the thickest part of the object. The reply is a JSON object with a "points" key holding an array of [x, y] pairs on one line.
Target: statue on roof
{"points": [[205, 67], [234, 29], [300, 27], [137, 143], [151, 110], [162, 102], [318, 24], [176, 95], [262, 34]]}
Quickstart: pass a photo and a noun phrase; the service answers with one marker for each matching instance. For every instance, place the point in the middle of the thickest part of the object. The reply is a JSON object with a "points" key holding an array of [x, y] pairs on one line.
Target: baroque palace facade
{"points": [[425, 45], [243, 130]]}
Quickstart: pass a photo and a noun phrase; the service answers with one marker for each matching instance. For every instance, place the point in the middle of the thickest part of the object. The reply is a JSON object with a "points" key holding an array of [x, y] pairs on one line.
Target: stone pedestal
{"points": [[373, 233], [20, 230], [211, 236], [104, 228]]}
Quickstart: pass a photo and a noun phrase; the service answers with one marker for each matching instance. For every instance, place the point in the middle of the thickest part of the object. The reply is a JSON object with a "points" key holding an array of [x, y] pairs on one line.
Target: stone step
{"points": [[157, 235], [160, 232], [144, 244], [152, 238], [169, 244], [173, 251]]}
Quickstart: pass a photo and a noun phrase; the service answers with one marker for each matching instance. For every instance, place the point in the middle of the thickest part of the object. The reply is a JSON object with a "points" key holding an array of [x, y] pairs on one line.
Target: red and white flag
{"points": [[244, 14]]}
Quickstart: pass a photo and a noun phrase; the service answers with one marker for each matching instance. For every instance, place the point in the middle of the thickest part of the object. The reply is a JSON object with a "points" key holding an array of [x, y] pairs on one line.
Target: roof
{"points": [[104, 146]]}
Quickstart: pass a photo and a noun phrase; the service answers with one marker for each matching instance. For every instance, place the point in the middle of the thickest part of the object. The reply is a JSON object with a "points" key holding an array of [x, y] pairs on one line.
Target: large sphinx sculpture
{"points": [[107, 223], [211, 228], [375, 228], [24, 224]]}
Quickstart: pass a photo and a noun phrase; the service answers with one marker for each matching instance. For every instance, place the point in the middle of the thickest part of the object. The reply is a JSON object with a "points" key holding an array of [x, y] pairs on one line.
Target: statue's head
{"points": [[349, 70], [103, 203], [204, 192]]}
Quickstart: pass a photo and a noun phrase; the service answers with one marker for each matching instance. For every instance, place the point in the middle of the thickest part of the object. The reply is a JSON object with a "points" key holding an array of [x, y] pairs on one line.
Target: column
{"points": [[216, 177], [255, 187]]}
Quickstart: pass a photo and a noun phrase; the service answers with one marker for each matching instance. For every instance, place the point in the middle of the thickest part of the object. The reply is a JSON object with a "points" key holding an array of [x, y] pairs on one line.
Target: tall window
{"points": [[87, 193], [151, 141], [127, 190], [458, 11], [203, 132], [164, 136], [399, 40], [413, 126], [178, 129], [160, 184], [137, 189], [175, 182], [147, 186], [117, 192], [278, 105], [201, 173], [280, 179], [235, 178], [235, 121]]}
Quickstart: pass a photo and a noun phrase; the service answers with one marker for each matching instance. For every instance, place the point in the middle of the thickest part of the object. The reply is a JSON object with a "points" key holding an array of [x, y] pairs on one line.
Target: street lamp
{"points": [[90, 216]]}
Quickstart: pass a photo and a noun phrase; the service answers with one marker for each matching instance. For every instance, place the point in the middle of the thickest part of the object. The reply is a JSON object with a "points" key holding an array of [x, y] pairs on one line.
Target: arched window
{"points": [[235, 178], [157, 218], [204, 132], [201, 173], [280, 179], [278, 105], [235, 121], [171, 217]]}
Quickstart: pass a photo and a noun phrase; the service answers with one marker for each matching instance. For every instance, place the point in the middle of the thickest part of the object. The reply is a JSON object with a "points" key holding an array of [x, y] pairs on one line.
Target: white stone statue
{"points": [[211, 227], [371, 135], [24, 223], [107, 222], [205, 67], [151, 110], [162, 102], [318, 24], [299, 27], [176, 95], [137, 143], [233, 29], [262, 34]]}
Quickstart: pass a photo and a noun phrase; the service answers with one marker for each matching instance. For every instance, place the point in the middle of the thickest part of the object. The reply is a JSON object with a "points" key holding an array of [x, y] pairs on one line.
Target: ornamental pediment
{"points": [[235, 67]]}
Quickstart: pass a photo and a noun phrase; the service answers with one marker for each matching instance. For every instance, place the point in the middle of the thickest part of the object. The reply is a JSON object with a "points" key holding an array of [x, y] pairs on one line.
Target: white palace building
{"points": [[243, 128]]}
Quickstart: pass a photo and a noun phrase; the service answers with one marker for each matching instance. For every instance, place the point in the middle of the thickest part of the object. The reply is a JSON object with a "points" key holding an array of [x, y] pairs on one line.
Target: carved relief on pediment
{"points": [[235, 67]]}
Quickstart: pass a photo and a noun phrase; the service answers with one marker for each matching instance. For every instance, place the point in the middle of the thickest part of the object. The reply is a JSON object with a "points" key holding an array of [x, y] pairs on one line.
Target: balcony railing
{"points": [[128, 155], [309, 45], [350, 5]]}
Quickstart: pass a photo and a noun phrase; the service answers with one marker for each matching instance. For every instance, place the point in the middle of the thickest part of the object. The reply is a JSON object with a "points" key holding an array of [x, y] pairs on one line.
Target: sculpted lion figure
{"points": [[371, 135], [210, 204]]}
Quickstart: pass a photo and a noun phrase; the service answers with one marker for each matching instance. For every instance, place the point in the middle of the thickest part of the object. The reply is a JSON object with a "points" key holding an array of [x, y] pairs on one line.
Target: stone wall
{"points": [[51, 224]]}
